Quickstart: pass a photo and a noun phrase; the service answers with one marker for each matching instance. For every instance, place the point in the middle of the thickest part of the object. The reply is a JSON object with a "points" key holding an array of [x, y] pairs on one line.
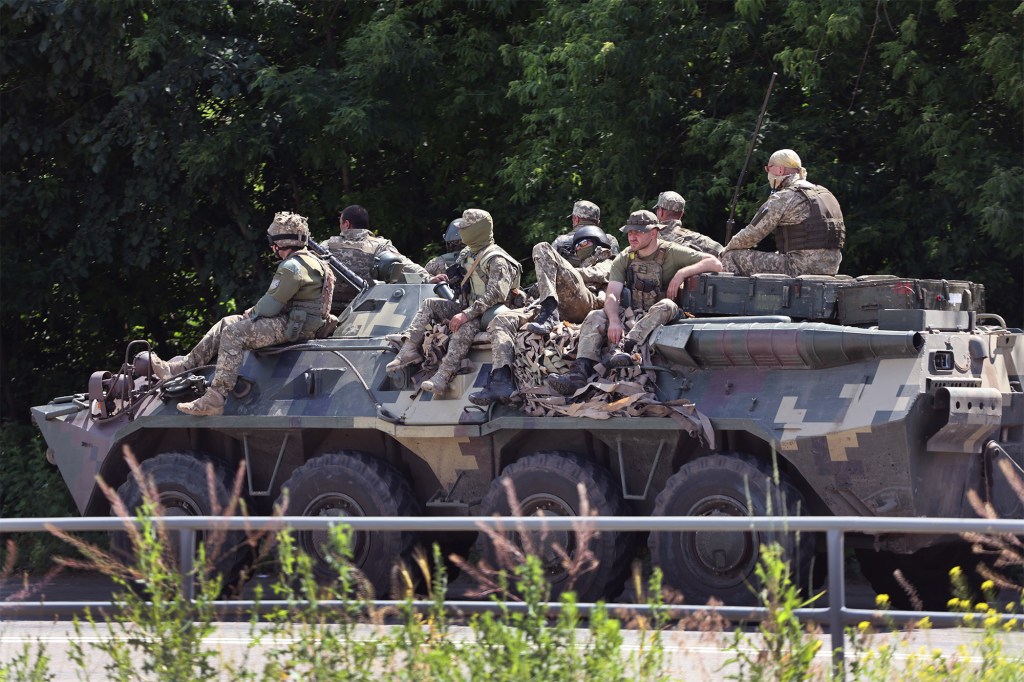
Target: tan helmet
{"points": [[288, 229]]}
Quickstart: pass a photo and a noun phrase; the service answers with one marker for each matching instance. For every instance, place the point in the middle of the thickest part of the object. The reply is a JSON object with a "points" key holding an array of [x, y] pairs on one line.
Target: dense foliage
{"points": [[146, 143]]}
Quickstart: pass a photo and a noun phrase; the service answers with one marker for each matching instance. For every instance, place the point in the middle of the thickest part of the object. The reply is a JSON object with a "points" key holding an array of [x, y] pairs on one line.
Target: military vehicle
{"points": [[874, 397]]}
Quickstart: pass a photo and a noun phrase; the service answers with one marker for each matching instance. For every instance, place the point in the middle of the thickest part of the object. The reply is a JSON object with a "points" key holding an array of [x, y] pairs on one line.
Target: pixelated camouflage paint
{"points": [[852, 427]]}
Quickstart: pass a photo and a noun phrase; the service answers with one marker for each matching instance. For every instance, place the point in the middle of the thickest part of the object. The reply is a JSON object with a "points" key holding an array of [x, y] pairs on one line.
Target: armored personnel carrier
{"points": [[874, 397]]}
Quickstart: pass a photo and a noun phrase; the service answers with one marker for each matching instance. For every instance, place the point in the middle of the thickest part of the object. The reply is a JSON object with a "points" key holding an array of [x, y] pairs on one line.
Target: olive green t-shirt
{"points": [[676, 258]]}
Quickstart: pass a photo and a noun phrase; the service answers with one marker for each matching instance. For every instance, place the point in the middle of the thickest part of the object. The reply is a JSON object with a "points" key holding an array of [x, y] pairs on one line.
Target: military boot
{"points": [[210, 404], [625, 355], [438, 383], [576, 378], [548, 318], [409, 355], [500, 387], [163, 369]]}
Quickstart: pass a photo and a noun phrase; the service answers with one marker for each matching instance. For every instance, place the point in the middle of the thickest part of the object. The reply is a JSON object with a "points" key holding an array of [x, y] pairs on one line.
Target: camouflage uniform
{"points": [[589, 214], [440, 264], [228, 340], [647, 279], [357, 248], [574, 287], [503, 330], [492, 274], [675, 232], [803, 216]]}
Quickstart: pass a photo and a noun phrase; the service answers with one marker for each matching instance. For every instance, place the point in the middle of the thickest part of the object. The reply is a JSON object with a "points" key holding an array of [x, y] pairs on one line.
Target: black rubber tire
{"points": [[350, 483], [718, 484], [182, 490], [547, 481], [927, 571]]}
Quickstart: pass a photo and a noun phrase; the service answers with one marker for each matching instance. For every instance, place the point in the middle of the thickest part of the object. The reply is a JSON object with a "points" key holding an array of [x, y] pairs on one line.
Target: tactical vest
{"points": [[643, 279], [313, 299], [823, 228], [475, 288], [358, 255]]}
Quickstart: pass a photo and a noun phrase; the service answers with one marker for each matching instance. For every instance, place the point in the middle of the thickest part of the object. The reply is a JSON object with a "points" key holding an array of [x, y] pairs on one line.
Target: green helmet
{"points": [[288, 229]]}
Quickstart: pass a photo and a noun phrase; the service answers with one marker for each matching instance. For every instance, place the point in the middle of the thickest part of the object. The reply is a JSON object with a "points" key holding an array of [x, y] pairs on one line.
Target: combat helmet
{"points": [[288, 229], [452, 238], [592, 233]]}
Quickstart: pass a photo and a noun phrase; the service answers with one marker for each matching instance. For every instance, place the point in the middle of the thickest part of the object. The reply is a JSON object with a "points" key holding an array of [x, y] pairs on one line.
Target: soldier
{"points": [[453, 244], [670, 209], [357, 247], [566, 291], [490, 276], [653, 270], [583, 213], [808, 224], [558, 284], [295, 306]]}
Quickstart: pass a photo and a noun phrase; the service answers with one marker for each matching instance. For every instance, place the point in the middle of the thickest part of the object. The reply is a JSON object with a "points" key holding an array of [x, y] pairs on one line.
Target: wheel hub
{"points": [[335, 505], [727, 558], [545, 543]]}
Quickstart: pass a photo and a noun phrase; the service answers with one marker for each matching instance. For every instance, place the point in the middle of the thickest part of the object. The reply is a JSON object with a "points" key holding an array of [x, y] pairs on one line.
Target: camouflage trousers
{"points": [[504, 328], [229, 339], [558, 278], [794, 263], [435, 310], [595, 328]]}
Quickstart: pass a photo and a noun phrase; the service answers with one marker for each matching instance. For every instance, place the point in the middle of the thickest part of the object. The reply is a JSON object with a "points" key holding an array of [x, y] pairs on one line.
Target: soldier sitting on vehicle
{"points": [[670, 209], [357, 247], [583, 213], [567, 291], [453, 244], [489, 275], [653, 270], [295, 306], [557, 281], [806, 218]]}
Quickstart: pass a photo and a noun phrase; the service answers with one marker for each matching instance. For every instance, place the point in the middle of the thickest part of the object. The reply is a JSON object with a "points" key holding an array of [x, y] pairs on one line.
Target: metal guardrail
{"points": [[836, 615]]}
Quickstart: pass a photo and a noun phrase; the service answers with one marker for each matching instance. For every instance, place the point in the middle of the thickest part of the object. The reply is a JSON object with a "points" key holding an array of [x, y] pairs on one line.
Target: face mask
{"points": [[477, 236]]}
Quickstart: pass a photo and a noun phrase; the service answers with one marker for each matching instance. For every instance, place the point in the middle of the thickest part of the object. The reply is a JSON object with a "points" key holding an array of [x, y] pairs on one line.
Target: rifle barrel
{"points": [[339, 268]]}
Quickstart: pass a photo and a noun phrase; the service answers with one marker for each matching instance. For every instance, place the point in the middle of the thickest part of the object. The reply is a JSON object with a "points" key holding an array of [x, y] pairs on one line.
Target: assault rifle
{"points": [[340, 269], [750, 150]]}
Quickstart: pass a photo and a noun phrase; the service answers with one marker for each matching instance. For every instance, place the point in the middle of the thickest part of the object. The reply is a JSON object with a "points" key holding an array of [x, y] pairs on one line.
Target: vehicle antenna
{"points": [[750, 150]]}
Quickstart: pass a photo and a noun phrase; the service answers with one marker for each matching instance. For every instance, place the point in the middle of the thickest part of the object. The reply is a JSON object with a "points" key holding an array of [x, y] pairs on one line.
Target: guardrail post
{"points": [[836, 600], [186, 561]]}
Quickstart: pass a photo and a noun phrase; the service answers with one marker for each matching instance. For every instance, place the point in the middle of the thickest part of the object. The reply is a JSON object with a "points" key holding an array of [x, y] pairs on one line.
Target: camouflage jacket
{"points": [[675, 232], [357, 249], [563, 245], [787, 206], [439, 264]]}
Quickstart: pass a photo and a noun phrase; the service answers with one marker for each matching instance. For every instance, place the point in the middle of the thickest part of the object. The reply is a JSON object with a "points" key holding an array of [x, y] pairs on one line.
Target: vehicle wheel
{"points": [[927, 572], [183, 490], [545, 482], [706, 564], [352, 483]]}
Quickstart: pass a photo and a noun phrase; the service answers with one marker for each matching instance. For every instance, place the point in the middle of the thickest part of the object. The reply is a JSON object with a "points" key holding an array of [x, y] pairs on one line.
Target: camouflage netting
{"points": [[626, 392]]}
